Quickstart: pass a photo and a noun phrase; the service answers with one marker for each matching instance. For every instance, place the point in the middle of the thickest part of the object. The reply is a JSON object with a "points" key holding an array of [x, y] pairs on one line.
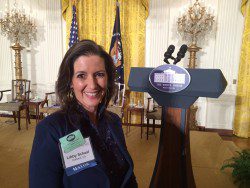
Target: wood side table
{"points": [[130, 111], [36, 104]]}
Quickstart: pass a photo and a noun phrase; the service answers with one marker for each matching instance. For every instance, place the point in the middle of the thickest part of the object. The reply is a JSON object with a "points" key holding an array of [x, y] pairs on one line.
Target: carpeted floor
{"points": [[208, 153]]}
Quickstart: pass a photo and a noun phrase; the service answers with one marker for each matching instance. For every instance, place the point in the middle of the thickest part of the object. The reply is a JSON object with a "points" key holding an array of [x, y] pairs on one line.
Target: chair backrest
{"points": [[20, 90], [119, 97], [53, 99], [117, 103], [152, 105], [154, 111]]}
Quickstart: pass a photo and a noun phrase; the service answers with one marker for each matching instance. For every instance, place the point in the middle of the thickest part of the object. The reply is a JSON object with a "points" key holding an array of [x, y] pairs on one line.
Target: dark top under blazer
{"points": [[46, 169]]}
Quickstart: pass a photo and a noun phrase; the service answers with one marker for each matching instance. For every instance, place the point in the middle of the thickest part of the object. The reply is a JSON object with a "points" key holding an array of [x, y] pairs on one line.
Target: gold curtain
{"points": [[242, 105], [96, 20]]}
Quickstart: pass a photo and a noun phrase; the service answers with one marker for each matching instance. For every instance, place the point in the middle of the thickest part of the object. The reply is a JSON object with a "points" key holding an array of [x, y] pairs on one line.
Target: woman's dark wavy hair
{"points": [[63, 87]]}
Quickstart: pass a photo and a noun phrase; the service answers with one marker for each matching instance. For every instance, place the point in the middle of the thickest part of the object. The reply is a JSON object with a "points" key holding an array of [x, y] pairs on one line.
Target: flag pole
{"points": [[116, 17]]}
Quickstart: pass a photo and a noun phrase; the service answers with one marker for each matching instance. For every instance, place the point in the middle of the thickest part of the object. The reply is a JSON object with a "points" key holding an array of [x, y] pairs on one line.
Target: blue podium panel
{"points": [[204, 82]]}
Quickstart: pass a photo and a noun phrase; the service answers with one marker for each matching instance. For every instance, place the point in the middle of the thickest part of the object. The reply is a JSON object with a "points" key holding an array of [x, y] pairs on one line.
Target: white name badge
{"points": [[79, 158]]}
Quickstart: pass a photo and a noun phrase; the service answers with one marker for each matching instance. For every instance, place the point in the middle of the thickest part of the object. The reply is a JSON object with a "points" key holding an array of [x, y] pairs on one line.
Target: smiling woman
{"points": [[89, 82], [85, 86]]}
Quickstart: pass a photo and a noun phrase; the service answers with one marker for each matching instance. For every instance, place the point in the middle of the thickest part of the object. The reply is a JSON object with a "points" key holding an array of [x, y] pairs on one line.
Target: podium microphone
{"points": [[168, 53], [181, 53]]}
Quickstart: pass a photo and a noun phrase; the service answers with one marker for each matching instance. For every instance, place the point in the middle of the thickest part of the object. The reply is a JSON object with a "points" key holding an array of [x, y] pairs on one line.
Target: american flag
{"points": [[73, 30]]}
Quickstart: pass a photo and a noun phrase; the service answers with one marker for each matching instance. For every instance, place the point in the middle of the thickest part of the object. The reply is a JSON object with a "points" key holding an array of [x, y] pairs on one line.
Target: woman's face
{"points": [[89, 81]]}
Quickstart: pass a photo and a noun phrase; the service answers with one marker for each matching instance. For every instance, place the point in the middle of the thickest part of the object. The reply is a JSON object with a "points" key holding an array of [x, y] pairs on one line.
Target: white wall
{"points": [[222, 51]]}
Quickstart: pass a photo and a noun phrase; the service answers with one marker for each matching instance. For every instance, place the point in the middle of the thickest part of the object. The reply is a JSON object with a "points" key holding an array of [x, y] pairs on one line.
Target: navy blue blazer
{"points": [[46, 168]]}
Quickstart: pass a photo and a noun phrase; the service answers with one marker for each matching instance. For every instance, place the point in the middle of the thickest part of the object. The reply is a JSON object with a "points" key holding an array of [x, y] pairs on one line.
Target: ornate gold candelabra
{"points": [[193, 25], [19, 29]]}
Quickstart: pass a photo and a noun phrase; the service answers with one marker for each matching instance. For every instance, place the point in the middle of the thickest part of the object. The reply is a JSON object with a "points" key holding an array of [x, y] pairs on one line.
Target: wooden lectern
{"points": [[173, 166]]}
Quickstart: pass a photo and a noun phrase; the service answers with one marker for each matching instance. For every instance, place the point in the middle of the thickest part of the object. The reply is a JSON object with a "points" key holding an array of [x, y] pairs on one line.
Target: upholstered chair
{"points": [[20, 95]]}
